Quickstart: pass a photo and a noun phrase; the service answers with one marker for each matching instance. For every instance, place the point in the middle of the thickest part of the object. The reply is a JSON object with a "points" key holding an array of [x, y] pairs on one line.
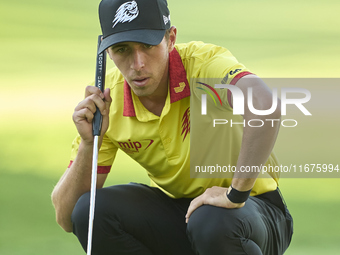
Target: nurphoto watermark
{"points": [[220, 112]]}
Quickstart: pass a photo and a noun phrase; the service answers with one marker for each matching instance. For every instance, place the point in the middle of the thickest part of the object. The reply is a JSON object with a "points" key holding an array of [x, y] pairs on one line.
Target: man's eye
{"points": [[148, 46], [121, 50]]}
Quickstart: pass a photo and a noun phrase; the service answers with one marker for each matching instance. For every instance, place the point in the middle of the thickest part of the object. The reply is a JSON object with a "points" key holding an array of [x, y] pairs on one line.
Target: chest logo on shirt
{"points": [[137, 146], [186, 123], [180, 88]]}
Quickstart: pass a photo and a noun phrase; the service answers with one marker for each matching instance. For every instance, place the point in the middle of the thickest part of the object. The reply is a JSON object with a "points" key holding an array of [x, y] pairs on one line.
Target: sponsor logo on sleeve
{"points": [[230, 73]]}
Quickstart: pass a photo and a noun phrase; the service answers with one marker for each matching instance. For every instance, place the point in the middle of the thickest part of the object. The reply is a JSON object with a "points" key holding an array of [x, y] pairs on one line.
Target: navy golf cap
{"points": [[143, 21]]}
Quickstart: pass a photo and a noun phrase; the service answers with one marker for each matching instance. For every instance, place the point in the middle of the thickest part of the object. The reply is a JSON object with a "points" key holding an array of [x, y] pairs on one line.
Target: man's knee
{"points": [[115, 220], [80, 219], [80, 214], [107, 202], [107, 199], [208, 230]]}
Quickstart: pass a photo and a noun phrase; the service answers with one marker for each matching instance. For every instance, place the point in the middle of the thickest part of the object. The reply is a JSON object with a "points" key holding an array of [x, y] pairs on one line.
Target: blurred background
{"points": [[47, 53]]}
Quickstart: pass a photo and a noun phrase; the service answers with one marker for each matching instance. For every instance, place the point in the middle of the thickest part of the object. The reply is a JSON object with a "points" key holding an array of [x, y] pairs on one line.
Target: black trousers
{"points": [[136, 219]]}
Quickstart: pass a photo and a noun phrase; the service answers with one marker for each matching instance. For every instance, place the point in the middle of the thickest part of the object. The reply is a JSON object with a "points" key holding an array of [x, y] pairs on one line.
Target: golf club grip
{"points": [[99, 83]]}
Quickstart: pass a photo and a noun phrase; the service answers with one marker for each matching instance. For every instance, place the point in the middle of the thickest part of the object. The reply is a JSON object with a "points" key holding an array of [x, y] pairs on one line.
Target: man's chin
{"points": [[141, 91]]}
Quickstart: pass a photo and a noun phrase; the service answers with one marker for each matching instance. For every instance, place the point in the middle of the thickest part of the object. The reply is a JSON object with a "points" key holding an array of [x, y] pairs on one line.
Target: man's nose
{"points": [[138, 60]]}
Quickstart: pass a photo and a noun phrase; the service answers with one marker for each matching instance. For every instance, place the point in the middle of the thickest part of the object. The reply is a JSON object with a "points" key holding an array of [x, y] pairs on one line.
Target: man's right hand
{"points": [[84, 112]]}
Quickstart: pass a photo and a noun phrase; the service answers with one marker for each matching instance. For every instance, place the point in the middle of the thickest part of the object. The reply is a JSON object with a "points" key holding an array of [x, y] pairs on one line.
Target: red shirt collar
{"points": [[179, 85]]}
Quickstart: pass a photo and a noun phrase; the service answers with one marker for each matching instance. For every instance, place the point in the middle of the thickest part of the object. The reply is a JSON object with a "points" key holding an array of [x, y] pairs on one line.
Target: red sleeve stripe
{"points": [[233, 82], [100, 169]]}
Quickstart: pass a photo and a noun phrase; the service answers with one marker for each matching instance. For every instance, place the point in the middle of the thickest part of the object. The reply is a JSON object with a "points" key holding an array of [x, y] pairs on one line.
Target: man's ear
{"points": [[172, 38]]}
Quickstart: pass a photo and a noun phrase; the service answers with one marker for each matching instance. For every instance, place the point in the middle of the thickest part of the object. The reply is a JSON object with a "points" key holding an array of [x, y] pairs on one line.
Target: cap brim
{"points": [[147, 36]]}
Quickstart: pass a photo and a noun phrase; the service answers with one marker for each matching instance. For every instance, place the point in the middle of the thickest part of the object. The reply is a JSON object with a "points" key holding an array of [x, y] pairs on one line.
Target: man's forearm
{"points": [[257, 142], [75, 182], [256, 148]]}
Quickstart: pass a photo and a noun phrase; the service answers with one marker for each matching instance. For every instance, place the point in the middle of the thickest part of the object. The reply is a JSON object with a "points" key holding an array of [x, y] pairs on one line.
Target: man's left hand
{"points": [[216, 196]]}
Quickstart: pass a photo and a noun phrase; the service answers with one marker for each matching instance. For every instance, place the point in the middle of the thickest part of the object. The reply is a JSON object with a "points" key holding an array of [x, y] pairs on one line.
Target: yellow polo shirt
{"points": [[161, 144]]}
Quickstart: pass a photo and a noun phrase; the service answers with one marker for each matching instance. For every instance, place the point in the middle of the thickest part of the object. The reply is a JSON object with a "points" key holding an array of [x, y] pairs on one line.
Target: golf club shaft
{"points": [[96, 128], [93, 194]]}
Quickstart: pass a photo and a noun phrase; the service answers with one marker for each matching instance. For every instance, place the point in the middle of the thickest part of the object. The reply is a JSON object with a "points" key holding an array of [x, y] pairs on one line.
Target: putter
{"points": [[96, 128]]}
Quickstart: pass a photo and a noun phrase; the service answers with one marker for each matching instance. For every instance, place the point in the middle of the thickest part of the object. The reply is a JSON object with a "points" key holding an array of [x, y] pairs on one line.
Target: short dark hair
{"points": [[167, 34]]}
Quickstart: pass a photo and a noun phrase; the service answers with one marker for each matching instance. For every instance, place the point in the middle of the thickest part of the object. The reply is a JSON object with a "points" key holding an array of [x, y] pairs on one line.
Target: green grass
{"points": [[27, 217], [47, 57]]}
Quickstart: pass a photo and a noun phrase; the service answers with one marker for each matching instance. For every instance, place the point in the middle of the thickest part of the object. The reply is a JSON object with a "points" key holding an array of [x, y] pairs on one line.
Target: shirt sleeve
{"points": [[106, 154], [211, 64]]}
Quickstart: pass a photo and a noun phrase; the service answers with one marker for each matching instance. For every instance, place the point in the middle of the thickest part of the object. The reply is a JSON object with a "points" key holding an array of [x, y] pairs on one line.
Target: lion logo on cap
{"points": [[126, 13]]}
